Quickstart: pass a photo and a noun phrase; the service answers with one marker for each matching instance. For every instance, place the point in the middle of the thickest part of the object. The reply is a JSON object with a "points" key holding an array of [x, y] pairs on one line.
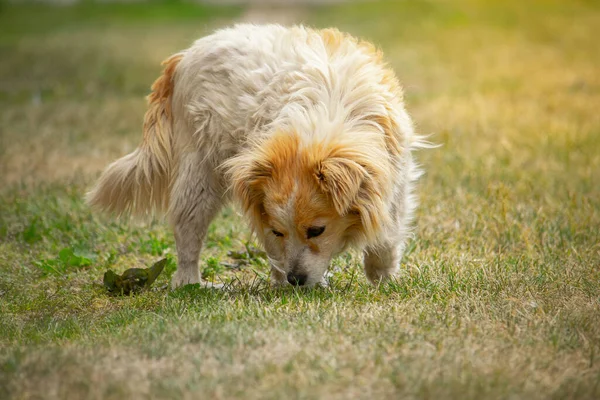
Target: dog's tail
{"points": [[139, 183]]}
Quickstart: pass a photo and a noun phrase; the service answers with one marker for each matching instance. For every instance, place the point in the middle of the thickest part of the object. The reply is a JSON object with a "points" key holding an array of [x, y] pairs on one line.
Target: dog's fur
{"points": [[304, 128]]}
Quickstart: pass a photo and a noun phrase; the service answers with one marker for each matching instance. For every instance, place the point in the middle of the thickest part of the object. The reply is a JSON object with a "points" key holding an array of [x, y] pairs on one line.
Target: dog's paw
{"points": [[182, 278], [378, 277]]}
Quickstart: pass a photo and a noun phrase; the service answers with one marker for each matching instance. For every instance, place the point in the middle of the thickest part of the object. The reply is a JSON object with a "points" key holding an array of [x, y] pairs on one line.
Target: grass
{"points": [[499, 295]]}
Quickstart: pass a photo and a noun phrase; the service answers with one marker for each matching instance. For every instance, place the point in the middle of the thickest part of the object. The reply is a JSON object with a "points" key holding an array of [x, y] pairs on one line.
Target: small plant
{"points": [[67, 259], [213, 267], [154, 245]]}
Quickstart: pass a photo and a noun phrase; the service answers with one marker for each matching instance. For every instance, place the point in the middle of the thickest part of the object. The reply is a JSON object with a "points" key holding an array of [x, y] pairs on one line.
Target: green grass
{"points": [[499, 295]]}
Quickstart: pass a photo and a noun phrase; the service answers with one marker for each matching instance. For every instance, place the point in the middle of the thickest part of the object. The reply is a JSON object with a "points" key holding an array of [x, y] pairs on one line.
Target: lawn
{"points": [[499, 294]]}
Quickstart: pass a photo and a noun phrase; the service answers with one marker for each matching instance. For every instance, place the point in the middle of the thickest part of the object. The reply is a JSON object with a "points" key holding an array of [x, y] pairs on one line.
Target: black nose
{"points": [[296, 279]]}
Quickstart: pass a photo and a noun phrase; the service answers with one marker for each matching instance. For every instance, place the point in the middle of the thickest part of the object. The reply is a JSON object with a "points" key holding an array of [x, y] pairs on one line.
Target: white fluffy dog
{"points": [[306, 129]]}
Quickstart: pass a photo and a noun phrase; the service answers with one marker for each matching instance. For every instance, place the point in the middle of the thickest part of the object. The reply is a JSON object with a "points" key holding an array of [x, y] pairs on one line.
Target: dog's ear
{"points": [[342, 179], [356, 184], [248, 178]]}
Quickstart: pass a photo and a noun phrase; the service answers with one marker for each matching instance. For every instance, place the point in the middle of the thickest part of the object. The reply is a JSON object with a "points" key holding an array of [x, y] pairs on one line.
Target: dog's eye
{"points": [[276, 233], [314, 231]]}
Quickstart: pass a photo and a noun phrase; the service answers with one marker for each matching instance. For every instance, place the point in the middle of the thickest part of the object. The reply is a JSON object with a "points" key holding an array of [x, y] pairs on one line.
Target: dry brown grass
{"points": [[499, 294]]}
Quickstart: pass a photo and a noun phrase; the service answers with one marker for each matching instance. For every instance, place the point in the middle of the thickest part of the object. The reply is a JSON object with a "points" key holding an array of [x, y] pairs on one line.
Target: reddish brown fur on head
{"points": [[288, 186]]}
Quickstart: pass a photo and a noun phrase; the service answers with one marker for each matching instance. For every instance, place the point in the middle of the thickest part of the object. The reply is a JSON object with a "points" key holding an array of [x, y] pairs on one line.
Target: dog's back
{"points": [[231, 86]]}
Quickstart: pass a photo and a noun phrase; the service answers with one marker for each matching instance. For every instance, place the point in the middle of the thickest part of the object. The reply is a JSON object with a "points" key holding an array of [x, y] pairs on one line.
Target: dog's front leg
{"points": [[195, 201], [382, 261]]}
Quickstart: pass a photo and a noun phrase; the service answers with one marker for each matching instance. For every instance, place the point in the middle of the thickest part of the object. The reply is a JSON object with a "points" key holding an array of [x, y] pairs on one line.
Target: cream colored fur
{"points": [[267, 114]]}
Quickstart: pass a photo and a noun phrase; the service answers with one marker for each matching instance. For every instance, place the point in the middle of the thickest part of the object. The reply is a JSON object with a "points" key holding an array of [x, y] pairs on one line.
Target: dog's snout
{"points": [[297, 279]]}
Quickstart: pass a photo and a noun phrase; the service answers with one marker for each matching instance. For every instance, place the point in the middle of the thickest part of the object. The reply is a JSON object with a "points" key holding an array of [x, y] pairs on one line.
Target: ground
{"points": [[499, 294]]}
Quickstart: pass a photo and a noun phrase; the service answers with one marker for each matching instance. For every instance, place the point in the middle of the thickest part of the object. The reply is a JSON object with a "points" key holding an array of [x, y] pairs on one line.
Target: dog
{"points": [[306, 129]]}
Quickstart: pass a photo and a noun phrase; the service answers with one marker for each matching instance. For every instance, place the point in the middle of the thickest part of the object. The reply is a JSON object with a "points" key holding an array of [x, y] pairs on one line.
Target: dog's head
{"points": [[308, 200]]}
